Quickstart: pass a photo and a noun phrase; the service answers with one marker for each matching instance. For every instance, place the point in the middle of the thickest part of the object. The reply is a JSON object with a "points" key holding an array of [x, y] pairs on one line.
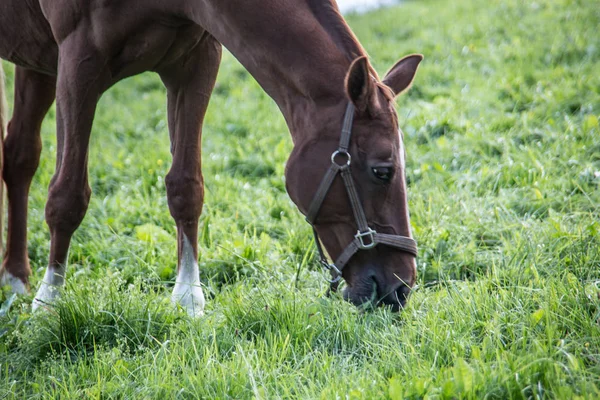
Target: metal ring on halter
{"points": [[332, 268], [325, 265], [335, 269], [342, 153]]}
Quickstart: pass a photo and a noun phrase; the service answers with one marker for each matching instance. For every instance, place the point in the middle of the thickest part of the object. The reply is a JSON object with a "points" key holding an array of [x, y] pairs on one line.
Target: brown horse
{"points": [[340, 114]]}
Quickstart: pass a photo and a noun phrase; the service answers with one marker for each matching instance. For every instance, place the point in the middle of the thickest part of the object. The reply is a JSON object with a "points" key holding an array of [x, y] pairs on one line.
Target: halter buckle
{"points": [[361, 241], [332, 268]]}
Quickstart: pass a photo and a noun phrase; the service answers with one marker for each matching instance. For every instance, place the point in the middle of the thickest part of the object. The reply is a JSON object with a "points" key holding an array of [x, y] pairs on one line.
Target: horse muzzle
{"points": [[370, 291]]}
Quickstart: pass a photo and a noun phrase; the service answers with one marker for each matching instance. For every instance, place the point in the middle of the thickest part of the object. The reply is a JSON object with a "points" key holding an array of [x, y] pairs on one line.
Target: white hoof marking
{"points": [[54, 278], [16, 285], [188, 292]]}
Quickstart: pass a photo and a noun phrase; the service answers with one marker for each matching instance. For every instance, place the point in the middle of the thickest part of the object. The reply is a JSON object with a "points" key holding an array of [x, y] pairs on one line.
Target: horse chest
{"points": [[153, 47], [150, 48], [25, 36]]}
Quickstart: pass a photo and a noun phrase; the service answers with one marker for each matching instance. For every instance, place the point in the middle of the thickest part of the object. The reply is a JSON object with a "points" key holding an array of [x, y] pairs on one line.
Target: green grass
{"points": [[503, 147]]}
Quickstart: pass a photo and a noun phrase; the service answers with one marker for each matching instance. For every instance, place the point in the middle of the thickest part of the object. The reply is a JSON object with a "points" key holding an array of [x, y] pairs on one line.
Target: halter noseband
{"points": [[365, 238]]}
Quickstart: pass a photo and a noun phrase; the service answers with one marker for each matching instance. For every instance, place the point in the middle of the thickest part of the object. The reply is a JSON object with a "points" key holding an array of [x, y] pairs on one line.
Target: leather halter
{"points": [[366, 238]]}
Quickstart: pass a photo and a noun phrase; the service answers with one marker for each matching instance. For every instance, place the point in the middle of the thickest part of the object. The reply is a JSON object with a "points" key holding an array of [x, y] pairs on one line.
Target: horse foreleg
{"points": [[189, 84], [81, 80], [34, 94]]}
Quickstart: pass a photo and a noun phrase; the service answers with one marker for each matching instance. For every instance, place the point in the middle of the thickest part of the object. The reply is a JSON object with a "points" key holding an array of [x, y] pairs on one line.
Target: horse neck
{"points": [[298, 50]]}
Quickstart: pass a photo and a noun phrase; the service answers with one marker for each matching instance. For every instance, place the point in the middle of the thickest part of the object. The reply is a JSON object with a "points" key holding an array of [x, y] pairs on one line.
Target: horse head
{"points": [[349, 181]]}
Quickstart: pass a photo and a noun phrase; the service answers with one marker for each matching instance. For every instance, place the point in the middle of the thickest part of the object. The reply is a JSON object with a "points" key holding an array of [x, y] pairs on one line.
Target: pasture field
{"points": [[503, 150]]}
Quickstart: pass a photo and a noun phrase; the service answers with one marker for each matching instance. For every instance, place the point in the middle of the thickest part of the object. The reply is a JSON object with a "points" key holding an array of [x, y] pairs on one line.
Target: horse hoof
{"points": [[49, 289], [16, 285], [190, 297], [45, 297]]}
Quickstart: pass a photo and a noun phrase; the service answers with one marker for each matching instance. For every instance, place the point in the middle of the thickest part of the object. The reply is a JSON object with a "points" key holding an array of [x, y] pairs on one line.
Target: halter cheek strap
{"points": [[365, 238]]}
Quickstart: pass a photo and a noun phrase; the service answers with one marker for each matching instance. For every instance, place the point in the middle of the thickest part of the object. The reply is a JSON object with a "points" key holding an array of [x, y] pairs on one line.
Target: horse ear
{"points": [[359, 85], [400, 77]]}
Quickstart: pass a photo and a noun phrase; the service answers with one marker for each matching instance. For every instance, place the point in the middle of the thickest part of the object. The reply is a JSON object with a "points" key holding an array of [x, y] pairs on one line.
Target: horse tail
{"points": [[3, 127]]}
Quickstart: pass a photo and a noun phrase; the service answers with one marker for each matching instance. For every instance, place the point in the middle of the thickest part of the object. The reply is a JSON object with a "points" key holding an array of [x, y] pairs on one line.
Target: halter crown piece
{"points": [[366, 238]]}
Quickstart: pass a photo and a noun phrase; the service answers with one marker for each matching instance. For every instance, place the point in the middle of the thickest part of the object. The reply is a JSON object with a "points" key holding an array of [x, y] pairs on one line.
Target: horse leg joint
{"points": [[66, 207], [21, 159], [185, 195]]}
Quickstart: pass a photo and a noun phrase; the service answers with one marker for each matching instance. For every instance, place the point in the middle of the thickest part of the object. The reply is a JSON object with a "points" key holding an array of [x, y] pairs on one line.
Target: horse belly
{"points": [[25, 36]]}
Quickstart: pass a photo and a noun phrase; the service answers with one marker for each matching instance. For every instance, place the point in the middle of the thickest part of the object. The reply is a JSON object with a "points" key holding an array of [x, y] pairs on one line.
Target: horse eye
{"points": [[383, 173]]}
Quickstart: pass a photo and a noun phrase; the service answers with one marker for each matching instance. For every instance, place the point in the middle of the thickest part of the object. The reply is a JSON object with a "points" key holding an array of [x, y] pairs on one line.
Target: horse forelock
{"points": [[387, 92]]}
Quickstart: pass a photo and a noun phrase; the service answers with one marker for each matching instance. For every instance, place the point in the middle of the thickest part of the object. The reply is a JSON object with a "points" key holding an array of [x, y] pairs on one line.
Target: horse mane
{"points": [[329, 16]]}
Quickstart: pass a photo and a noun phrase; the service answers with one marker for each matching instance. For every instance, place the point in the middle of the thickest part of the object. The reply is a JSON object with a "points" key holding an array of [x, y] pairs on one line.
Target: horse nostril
{"points": [[395, 298], [374, 291], [402, 293], [363, 292]]}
